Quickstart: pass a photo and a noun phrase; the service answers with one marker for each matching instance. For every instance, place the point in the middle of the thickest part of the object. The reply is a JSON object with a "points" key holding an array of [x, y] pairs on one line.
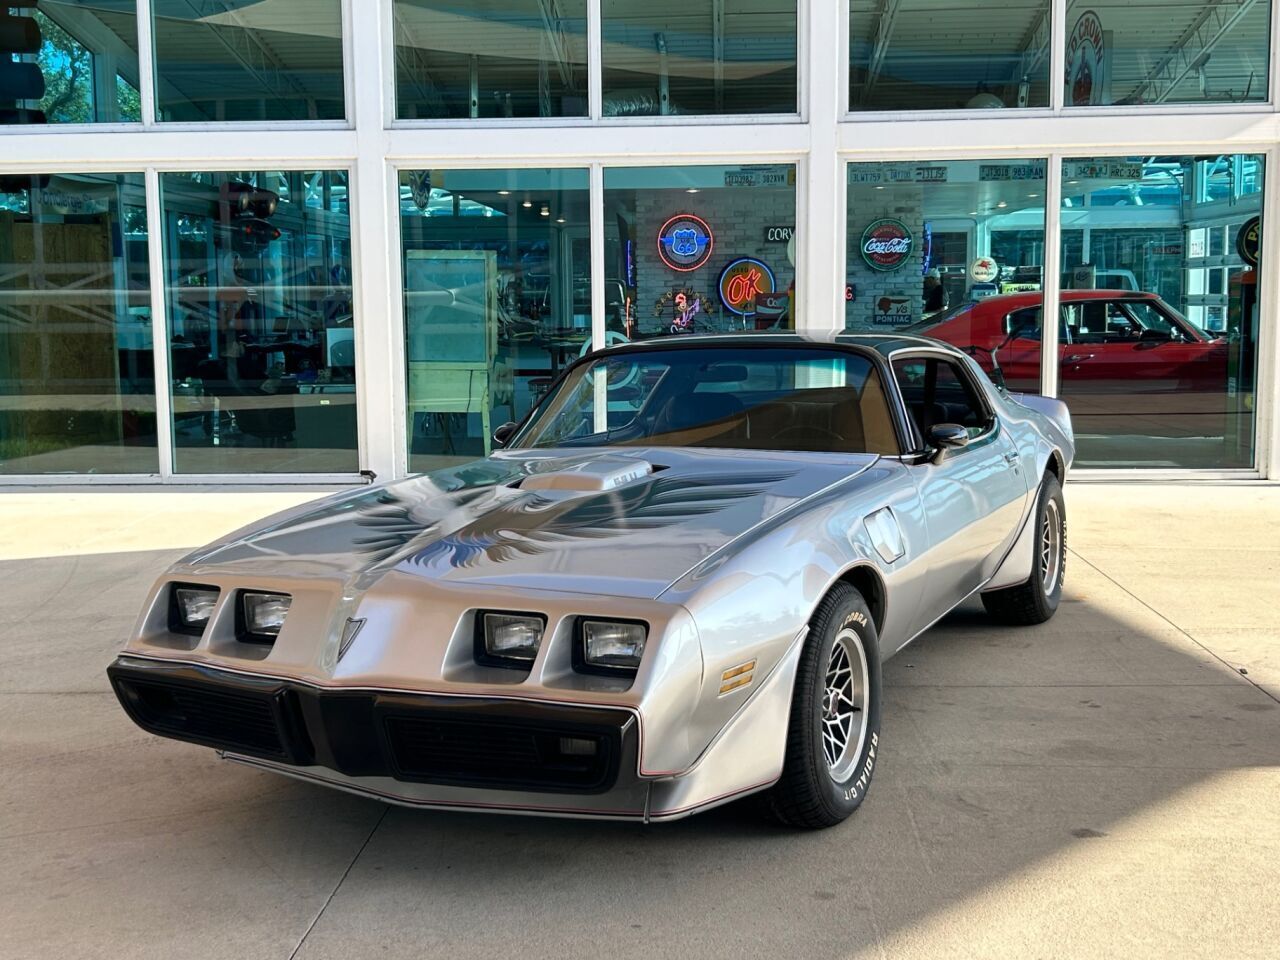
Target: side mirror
{"points": [[504, 433], [947, 436]]}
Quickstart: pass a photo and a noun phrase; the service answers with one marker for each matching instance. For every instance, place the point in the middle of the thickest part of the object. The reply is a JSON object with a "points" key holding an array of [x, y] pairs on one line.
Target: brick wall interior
{"points": [[874, 289], [738, 218]]}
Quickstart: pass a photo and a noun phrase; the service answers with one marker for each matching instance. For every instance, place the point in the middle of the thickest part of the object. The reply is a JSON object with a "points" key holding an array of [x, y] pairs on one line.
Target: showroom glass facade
{"points": [[1126, 53], [699, 249], [496, 59], [248, 247], [678, 57], [262, 352], [497, 299], [953, 250], [77, 372], [943, 55], [276, 60], [1158, 317], [63, 76]]}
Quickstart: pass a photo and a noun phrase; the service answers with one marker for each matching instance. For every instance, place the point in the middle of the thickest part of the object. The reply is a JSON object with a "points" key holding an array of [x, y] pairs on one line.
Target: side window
{"points": [[1084, 321], [1120, 324], [937, 391], [1152, 324], [1025, 324]]}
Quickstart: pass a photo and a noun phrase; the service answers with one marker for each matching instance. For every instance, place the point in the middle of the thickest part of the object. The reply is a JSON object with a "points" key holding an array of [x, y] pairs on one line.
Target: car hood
{"points": [[620, 521]]}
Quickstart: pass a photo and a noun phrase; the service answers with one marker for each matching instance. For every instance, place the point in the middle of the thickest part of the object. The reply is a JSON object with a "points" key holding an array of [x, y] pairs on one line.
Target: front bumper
{"points": [[416, 748]]}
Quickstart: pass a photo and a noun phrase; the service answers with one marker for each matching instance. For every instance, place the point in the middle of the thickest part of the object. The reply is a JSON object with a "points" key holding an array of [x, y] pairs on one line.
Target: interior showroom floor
{"points": [[1105, 785]]}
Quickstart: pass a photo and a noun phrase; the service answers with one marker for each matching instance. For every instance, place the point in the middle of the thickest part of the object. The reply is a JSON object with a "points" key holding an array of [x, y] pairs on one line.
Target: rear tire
{"points": [[1037, 600], [834, 732]]}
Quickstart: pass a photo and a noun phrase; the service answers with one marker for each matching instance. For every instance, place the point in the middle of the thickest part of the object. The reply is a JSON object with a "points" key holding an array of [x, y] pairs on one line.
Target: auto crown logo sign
{"points": [[685, 242], [1085, 62], [886, 244]]}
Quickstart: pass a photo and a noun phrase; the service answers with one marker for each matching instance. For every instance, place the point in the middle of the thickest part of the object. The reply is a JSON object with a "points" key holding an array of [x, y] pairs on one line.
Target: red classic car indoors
{"points": [[1129, 363]]}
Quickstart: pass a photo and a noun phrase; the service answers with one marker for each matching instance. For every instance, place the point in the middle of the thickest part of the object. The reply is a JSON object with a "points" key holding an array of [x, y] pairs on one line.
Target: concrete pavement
{"points": [[1107, 783]]}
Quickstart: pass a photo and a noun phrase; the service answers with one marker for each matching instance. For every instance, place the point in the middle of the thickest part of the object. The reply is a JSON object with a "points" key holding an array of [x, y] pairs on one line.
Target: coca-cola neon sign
{"points": [[743, 282], [886, 244]]}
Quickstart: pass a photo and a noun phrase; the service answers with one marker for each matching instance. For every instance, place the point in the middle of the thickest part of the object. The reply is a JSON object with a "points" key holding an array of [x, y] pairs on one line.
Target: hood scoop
{"points": [[591, 476]]}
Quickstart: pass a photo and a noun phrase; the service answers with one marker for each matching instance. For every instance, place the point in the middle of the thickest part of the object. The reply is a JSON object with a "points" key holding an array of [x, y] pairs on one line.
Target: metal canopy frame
{"points": [[820, 138]]}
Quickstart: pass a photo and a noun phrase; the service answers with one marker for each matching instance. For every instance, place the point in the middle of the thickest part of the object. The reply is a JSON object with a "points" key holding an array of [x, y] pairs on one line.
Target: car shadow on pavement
{"points": [[1099, 773]]}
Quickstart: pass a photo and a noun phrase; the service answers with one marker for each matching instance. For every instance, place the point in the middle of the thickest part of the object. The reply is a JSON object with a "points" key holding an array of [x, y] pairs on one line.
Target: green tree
{"points": [[129, 100], [68, 75]]}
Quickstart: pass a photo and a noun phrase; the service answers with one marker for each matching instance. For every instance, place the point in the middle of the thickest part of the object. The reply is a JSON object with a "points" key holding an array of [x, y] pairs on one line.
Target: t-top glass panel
{"points": [[941, 55], [699, 249], [673, 57], [497, 299], [490, 59], [77, 378], [259, 60], [952, 249], [1152, 52], [262, 339], [69, 61], [1159, 321]]}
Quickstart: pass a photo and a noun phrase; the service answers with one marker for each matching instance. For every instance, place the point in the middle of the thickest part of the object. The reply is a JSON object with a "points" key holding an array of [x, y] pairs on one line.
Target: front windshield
{"points": [[756, 398]]}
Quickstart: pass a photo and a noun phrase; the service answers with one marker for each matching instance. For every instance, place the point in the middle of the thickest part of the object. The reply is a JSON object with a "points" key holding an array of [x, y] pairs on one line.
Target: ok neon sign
{"points": [[742, 282]]}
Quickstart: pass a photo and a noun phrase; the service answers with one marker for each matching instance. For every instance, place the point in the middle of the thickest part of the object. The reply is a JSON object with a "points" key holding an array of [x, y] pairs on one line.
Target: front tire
{"points": [[1037, 600], [834, 732]]}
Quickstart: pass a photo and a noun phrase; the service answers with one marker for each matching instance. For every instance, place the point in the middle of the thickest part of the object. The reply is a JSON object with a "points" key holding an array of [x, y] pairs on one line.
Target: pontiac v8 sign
{"points": [[886, 244]]}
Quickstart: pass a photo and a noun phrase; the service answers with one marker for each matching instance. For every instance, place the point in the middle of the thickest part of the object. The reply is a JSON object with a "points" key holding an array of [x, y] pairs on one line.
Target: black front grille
{"points": [[243, 723], [457, 741], [510, 755]]}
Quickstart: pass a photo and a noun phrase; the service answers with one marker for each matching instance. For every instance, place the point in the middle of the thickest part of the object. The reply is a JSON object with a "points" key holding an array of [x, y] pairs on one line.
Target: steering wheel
{"points": [[821, 433]]}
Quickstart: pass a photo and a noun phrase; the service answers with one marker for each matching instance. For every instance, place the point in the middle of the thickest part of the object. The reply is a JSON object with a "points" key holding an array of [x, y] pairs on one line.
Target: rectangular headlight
{"points": [[191, 607], [508, 637], [262, 614], [612, 645]]}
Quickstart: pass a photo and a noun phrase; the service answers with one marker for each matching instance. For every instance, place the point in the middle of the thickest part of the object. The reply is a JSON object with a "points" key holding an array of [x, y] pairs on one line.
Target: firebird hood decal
{"points": [[530, 526], [474, 523]]}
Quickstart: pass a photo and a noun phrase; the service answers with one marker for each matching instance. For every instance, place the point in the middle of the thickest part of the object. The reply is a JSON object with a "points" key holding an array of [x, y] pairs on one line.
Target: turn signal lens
{"points": [[615, 646], [264, 613], [512, 636]]}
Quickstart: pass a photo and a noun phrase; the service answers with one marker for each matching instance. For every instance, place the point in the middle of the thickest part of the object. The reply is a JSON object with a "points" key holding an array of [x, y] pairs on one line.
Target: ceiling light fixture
{"points": [[527, 204], [504, 193]]}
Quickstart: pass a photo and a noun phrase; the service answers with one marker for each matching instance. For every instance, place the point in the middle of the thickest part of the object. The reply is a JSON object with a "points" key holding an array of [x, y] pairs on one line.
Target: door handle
{"points": [[1077, 357], [1011, 457]]}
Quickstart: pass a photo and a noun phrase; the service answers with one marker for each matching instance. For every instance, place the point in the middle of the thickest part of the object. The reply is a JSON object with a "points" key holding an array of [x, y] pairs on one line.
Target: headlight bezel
{"points": [[583, 664], [246, 634], [486, 658], [178, 621]]}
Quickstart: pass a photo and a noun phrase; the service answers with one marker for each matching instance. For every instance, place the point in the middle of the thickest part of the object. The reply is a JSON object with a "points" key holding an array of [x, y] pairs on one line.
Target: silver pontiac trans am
{"points": [[671, 586]]}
